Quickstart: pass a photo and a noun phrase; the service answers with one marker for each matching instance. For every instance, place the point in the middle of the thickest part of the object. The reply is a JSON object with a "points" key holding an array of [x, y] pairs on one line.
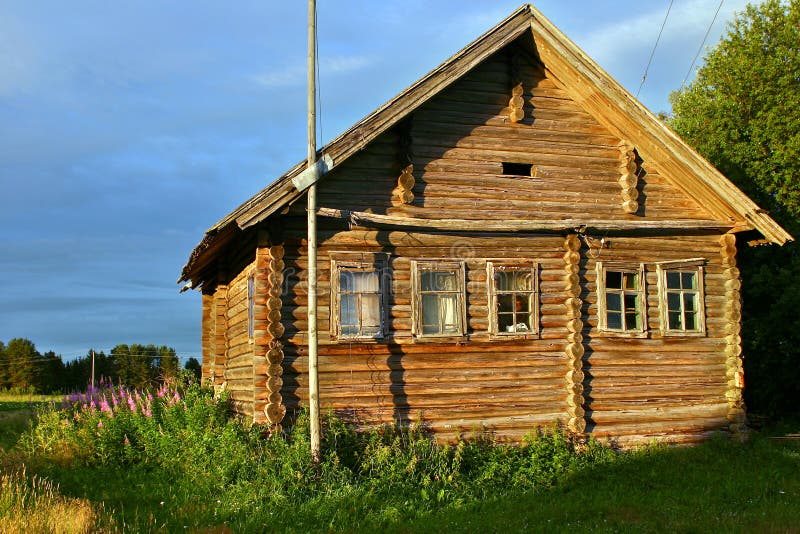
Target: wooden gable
{"points": [[461, 155], [576, 127]]}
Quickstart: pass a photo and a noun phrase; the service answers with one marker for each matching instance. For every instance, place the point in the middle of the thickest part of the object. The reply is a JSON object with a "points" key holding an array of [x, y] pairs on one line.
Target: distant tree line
{"points": [[25, 368]]}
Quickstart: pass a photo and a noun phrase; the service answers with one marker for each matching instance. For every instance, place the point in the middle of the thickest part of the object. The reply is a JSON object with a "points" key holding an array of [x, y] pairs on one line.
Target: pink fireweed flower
{"points": [[92, 405], [127, 442], [104, 407], [147, 412], [132, 404], [99, 424], [114, 400]]}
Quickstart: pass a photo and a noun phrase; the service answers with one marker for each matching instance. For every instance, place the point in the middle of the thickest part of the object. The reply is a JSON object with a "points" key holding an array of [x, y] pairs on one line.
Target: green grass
{"points": [[187, 469]]}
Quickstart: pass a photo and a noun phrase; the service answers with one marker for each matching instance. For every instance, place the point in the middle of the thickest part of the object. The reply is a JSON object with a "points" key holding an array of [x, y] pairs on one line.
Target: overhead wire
{"points": [[700, 49], [649, 61]]}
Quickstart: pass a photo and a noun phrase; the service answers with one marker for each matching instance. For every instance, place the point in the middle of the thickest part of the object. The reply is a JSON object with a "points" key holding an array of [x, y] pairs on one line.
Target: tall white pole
{"points": [[313, 366], [92, 368]]}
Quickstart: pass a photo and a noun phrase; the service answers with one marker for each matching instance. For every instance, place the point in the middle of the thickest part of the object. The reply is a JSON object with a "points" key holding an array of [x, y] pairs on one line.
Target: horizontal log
{"points": [[521, 225]]}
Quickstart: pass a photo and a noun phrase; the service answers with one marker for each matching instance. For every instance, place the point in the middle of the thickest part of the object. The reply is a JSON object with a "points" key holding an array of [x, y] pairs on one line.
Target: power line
{"points": [[647, 68], [708, 31]]}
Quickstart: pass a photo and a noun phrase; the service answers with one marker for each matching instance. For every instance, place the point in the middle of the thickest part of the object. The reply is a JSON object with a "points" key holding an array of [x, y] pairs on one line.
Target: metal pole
{"points": [[313, 366], [92, 369]]}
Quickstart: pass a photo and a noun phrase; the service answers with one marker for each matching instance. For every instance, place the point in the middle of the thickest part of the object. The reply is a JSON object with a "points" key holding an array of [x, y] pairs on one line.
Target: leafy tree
{"points": [[193, 365], [22, 363], [168, 364], [742, 113], [3, 367]]}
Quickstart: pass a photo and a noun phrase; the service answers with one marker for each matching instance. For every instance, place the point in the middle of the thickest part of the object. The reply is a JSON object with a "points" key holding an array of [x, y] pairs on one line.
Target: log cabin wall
{"points": [[654, 385], [207, 335], [238, 366], [453, 386], [455, 158]]}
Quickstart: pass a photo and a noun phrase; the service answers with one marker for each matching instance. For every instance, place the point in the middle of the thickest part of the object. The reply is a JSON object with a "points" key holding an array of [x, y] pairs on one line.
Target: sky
{"points": [[129, 128]]}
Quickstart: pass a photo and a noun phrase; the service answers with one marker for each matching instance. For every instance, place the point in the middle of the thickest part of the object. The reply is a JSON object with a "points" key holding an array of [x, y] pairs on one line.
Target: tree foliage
{"points": [[742, 113], [23, 367]]}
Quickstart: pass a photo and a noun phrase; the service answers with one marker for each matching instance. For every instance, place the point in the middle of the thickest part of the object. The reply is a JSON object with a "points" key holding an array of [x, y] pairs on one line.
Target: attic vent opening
{"points": [[517, 169]]}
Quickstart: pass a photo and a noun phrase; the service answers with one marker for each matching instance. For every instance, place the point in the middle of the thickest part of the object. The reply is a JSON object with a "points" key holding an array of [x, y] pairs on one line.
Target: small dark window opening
{"points": [[517, 169]]}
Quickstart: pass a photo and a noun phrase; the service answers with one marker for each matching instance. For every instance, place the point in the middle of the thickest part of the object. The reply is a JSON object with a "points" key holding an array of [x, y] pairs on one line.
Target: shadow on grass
{"points": [[717, 486]]}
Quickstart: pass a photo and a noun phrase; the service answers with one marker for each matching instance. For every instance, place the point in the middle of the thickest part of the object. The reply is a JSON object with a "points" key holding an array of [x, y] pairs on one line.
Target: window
{"points": [[681, 297], [517, 169], [358, 296], [438, 298], [251, 306], [513, 298], [621, 298]]}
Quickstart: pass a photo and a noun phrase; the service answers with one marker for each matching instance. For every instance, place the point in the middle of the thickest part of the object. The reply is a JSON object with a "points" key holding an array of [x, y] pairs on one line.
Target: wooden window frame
{"points": [[359, 262], [690, 265], [602, 311], [418, 266], [251, 306], [494, 265]]}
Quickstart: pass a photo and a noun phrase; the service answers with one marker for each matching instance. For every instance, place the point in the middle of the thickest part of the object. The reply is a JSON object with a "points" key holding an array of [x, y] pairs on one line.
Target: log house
{"points": [[514, 240]]}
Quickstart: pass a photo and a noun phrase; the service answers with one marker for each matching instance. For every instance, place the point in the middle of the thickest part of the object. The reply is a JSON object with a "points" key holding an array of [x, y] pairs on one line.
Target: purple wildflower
{"points": [[132, 404], [104, 407]]}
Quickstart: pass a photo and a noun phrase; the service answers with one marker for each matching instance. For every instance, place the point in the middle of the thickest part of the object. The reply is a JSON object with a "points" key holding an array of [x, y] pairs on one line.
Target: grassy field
{"points": [[221, 477]]}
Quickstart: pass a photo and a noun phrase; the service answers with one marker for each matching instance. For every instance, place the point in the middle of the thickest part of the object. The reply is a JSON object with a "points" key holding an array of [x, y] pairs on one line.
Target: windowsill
{"points": [[348, 340], [615, 333], [441, 339], [680, 333], [514, 336]]}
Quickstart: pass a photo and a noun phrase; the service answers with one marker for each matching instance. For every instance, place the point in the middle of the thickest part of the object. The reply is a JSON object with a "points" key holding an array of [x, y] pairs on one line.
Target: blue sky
{"points": [[128, 128]]}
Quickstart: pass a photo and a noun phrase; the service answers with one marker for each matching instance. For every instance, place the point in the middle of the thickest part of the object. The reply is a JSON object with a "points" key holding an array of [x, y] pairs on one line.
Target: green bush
{"points": [[187, 439]]}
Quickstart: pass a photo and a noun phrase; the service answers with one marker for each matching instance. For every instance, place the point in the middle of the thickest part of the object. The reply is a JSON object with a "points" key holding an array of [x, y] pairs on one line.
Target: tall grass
{"points": [[174, 459], [33, 504]]}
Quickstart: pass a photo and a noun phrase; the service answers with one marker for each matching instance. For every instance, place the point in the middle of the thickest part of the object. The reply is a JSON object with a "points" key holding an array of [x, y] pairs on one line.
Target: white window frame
{"points": [[694, 265], [358, 262], [459, 268], [492, 267], [602, 309]]}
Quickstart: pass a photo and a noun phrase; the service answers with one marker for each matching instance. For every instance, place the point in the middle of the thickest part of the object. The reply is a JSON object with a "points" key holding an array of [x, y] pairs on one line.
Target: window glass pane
{"points": [[633, 321], [689, 280], [523, 281], [613, 302], [523, 304], [504, 280], [632, 302], [430, 313], [691, 321], [673, 280], [613, 280], [370, 310], [673, 301], [365, 281], [449, 308], [505, 322], [689, 301], [614, 320], [674, 318], [345, 280], [427, 282], [445, 281], [523, 323], [348, 314], [349, 330], [505, 303], [631, 280], [370, 330]]}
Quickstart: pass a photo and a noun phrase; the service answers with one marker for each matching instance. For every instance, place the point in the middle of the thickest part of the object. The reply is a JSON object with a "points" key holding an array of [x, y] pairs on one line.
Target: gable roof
{"points": [[585, 82]]}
